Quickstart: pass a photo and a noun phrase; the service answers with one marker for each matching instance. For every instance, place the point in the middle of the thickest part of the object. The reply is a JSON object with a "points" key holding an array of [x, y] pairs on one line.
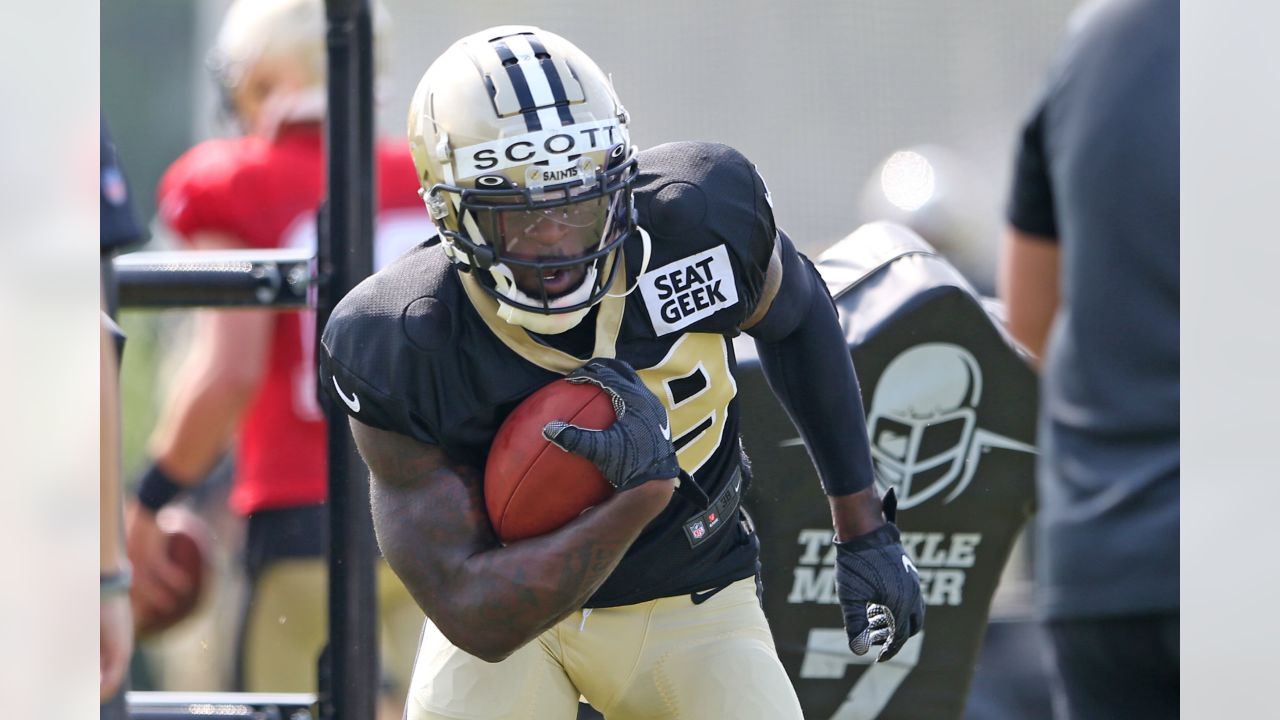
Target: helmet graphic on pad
{"points": [[925, 430], [922, 419]]}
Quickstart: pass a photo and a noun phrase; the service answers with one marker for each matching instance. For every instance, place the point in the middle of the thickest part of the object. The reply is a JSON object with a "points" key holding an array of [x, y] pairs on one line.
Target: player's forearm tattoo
{"points": [[488, 599]]}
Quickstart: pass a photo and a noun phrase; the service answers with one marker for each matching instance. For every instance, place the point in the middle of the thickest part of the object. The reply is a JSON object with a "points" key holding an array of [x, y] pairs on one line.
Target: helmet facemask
{"points": [[919, 456], [547, 249]]}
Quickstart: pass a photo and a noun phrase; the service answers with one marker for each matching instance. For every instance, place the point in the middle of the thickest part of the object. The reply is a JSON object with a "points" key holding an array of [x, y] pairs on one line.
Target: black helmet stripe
{"points": [[553, 78], [536, 80], [528, 108]]}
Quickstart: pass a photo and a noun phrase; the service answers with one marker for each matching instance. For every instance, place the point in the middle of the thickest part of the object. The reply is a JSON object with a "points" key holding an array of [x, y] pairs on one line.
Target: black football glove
{"points": [[637, 447], [879, 588]]}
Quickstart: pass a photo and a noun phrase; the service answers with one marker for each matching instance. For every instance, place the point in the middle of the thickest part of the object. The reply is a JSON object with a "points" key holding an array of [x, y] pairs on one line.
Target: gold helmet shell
{"points": [[515, 121]]}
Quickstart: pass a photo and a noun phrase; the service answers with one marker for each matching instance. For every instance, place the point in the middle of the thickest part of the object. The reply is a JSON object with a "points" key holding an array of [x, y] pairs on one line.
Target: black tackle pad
{"points": [[951, 409]]}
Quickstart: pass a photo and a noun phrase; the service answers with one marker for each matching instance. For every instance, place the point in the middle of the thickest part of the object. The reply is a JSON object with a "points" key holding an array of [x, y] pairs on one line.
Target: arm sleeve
{"points": [[809, 368], [1031, 207]]}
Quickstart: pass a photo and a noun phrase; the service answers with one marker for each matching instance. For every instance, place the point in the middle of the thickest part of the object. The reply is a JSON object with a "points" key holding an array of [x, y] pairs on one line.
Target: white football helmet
{"points": [[526, 166], [269, 60], [922, 420]]}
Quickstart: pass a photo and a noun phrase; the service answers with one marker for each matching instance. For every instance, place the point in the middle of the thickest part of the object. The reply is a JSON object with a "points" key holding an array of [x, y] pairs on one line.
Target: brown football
{"points": [[532, 487], [186, 537]]}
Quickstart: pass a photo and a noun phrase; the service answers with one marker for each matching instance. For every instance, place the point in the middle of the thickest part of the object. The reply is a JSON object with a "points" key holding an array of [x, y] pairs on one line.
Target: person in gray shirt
{"points": [[1089, 276]]}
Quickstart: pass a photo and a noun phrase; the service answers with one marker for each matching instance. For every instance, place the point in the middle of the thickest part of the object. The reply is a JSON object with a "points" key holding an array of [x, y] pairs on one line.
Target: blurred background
{"points": [[820, 94], [853, 111]]}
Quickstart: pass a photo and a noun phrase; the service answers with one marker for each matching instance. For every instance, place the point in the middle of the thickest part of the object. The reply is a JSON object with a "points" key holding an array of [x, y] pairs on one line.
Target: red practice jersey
{"points": [[265, 193]]}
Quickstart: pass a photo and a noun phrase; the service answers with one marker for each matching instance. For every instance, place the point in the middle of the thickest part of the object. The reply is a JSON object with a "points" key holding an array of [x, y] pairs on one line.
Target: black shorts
{"points": [[296, 532]]}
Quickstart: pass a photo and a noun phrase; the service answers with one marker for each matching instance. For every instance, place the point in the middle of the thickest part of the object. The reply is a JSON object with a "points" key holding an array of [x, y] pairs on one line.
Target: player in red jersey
{"points": [[251, 373]]}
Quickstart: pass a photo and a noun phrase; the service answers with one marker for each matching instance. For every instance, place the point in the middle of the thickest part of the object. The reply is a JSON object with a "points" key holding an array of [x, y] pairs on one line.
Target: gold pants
{"points": [[666, 658], [288, 623]]}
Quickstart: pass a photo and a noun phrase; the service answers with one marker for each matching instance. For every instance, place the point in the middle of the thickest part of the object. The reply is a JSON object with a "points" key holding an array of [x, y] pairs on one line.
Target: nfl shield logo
{"points": [[698, 530], [113, 187]]}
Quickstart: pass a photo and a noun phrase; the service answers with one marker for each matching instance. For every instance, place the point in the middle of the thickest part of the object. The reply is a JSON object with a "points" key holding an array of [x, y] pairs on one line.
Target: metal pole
{"points": [[349, 678], [276, 279]]}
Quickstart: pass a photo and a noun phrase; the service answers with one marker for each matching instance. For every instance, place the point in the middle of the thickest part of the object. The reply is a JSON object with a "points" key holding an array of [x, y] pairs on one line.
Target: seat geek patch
{"points": [[683, 292]]}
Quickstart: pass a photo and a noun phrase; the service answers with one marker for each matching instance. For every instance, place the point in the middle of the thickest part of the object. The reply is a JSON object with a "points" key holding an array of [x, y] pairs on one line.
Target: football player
{"points": [[253, 372], [565, 251]]}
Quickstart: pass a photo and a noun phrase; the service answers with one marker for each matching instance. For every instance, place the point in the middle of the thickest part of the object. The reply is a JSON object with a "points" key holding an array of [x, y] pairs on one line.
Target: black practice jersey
{"points": [[417, 349]]}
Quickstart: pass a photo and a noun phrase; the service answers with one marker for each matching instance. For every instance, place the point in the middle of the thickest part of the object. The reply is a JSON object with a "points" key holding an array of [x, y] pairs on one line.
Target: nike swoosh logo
{"points": [[352, 402], [700, 597], [908, 565], [666, 430]]}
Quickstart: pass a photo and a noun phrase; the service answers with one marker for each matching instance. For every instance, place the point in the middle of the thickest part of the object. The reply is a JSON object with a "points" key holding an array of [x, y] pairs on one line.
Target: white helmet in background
{"points": [[922, 419], [269, 59], [517, 136]]}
